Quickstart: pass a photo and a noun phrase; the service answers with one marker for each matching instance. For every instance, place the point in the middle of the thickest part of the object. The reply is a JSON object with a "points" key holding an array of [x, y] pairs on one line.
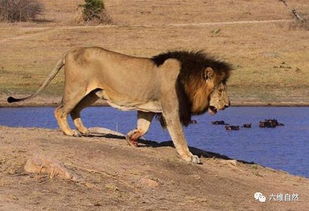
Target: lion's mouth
{"points": [[212, 110]]}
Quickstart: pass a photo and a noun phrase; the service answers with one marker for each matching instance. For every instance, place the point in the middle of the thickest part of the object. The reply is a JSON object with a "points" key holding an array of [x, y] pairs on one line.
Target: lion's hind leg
{"points": [[61, 112], [75, 113], [61, 117], [143, 123]]}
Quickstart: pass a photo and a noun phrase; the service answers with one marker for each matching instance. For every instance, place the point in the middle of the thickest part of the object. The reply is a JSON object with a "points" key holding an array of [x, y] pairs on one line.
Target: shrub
{"points": [[94, 11], [19, 10]]}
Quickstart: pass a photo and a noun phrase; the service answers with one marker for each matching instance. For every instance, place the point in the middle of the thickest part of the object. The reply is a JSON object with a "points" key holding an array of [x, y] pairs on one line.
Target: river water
{"points": [[285, 148]]}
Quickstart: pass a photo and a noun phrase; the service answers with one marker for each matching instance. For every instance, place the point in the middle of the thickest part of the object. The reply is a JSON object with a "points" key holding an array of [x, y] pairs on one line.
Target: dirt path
{"points": [[114, 176], [50, 29]]}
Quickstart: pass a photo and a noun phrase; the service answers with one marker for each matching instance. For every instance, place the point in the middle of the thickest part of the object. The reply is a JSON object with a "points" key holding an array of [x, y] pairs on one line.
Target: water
{"points": [[285, 148]]}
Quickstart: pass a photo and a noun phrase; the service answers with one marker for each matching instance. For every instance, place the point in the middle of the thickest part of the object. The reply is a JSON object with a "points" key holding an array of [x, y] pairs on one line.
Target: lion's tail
{"points": [[51, 76]]}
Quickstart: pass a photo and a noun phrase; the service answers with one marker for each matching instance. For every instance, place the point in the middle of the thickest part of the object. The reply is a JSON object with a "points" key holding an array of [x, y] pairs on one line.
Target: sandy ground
{"points": [[110, 175]]}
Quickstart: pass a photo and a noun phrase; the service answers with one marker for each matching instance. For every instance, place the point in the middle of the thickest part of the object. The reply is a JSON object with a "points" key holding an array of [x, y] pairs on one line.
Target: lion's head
{"points": [[201, 84], [219, 99]]}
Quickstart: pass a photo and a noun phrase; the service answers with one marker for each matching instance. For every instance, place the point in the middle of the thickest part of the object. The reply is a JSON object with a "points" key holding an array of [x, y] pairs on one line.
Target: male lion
{"points": [[173, 86]]}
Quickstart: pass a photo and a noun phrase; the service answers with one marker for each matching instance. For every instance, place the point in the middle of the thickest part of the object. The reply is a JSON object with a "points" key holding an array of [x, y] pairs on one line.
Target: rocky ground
{"points": [[104, 173]]}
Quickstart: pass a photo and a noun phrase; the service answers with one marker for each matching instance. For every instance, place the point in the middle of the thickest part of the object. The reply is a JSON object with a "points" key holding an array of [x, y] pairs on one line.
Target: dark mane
{"points": [[193, 64]]}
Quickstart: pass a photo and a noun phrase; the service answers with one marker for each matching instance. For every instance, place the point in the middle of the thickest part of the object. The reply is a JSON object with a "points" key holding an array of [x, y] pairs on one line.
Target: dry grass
{"points": [[301, 25], [270, 59]]}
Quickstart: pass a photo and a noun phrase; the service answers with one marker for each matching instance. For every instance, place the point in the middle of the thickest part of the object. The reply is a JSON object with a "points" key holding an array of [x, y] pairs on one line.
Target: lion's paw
{"points": [[195, 159], [73, 133], [76, 133], [131, 142], [192, 159], [86, 133]]}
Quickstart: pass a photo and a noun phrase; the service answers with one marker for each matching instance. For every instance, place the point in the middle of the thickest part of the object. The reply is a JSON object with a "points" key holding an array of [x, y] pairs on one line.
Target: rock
{"points": [[230, 162], [104, 131], [39, 164]]}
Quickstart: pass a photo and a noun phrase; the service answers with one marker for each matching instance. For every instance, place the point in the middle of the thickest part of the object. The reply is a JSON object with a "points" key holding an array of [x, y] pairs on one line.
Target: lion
{"points": [[173, 86]]}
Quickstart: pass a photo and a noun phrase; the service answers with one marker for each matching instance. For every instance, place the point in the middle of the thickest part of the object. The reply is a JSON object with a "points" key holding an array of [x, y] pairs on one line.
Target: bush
{"points": [[94, 11], [19, 10]]}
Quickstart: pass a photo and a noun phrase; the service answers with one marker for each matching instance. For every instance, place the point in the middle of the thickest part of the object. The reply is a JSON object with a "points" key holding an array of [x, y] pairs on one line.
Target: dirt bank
{"points": [[112, 176]]}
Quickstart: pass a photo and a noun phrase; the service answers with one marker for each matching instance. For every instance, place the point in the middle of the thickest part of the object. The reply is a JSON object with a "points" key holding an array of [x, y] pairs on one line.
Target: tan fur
{"points": [[132, 83], [219, 98]]}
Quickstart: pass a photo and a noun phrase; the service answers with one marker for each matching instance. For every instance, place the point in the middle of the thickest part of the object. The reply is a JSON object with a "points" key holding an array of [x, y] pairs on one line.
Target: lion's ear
{"points": [[208, 73]]}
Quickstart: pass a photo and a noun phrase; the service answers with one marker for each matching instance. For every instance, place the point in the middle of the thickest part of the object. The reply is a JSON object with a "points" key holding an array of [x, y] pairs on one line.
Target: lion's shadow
{"points": [[194, 150], [154, 144]]}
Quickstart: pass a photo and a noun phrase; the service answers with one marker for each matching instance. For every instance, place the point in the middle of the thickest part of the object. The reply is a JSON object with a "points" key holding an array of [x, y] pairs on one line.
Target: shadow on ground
{"points": [[154, 144]]}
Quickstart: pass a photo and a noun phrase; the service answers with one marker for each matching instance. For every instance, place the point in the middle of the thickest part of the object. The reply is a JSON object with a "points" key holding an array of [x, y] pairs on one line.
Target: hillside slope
{"points": [[114, 176]]}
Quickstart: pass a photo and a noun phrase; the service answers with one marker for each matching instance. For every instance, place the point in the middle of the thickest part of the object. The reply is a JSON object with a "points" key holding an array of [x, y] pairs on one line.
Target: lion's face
{"points": [[209, 93], [219, 99]]}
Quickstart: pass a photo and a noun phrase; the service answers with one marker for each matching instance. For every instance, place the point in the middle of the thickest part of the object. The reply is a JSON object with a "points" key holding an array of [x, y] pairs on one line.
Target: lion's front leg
{"points": [[170, 107], [176, 132], [143, 123]]}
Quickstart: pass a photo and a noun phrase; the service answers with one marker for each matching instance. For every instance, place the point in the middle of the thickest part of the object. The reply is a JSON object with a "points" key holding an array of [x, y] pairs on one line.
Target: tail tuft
{"points": [[12, 100]]}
